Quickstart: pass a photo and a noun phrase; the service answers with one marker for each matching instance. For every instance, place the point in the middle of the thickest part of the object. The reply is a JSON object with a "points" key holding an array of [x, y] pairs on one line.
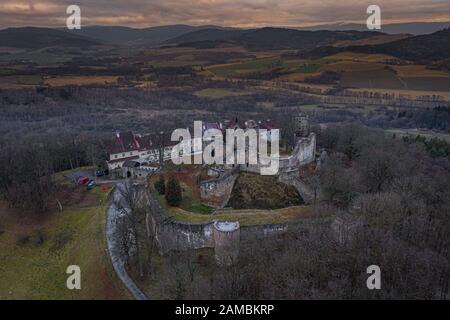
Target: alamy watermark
{"points": [[374, 20], [374, 280], [74, 280], [242, 147], [73, 22]]}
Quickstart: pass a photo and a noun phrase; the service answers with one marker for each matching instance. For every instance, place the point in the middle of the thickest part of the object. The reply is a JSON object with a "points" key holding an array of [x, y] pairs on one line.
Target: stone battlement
{"points": [[216, 192]]}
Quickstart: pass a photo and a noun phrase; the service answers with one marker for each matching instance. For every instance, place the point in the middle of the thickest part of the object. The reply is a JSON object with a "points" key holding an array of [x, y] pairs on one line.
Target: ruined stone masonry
{"points": [[216, 192]]}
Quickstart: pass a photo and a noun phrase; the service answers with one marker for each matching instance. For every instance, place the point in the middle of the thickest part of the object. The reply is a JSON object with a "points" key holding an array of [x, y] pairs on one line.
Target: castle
{"points": [[225, 236], [135, 153], [217, 191]]}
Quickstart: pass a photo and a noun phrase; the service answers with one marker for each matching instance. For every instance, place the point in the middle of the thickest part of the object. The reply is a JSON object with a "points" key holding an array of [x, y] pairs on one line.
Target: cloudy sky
{"points": [[239, 13]]}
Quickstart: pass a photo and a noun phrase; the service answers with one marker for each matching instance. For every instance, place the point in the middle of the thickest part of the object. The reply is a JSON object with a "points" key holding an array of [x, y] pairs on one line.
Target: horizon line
{"points": [[225, 26]]}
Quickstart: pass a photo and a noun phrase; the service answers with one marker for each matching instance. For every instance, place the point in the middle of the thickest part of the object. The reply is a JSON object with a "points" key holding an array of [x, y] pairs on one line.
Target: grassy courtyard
{"points": [[192, 210]]}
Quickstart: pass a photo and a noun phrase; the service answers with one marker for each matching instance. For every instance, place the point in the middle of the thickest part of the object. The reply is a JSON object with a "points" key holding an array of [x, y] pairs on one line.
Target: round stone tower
{"points": [[226, 237]]}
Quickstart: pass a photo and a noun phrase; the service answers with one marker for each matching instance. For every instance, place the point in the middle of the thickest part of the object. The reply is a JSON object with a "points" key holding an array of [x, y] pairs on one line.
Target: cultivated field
{"points": [[79, 80]]}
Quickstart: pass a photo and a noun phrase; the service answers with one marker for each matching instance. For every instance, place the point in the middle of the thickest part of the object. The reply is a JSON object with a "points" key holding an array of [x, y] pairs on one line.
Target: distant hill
{"points": [[423, 49], [278, 38], [209, 34], [269, 38], [152, 36], [415, 28], [36, 38], [378, 39]]}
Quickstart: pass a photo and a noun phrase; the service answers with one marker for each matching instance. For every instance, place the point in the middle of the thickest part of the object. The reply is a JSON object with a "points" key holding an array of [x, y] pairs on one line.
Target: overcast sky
{"points": [[239, 13]]}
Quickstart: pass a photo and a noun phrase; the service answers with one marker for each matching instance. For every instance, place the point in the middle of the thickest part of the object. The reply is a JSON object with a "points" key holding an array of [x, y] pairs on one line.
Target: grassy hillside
{"points": [[270, 38], [207, 35], [423, 49], [34, 255]]}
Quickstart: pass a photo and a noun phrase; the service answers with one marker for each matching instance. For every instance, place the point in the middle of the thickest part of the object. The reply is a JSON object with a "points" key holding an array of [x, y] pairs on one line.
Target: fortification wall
{"points": [[180, 236], [227, 242], [216, 192], [303, 153], [292, 179], [175, 235], [262, 231]]}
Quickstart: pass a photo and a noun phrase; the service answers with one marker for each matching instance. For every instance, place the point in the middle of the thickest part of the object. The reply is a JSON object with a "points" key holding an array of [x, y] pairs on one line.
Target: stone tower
{"points": [[227, 238], [301, 125]]}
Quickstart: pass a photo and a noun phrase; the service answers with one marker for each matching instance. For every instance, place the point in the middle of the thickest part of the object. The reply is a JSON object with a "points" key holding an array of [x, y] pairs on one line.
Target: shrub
{"points": [[173, 192], [61, 239], [160, 185], [22, 239], [38, 238]]}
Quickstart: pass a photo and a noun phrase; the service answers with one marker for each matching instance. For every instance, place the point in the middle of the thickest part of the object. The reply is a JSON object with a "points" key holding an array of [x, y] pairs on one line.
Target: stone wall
{"points": [[216, 192], [227, 236], [303, 153], [178, 236], [292, 178], [262, 231]]}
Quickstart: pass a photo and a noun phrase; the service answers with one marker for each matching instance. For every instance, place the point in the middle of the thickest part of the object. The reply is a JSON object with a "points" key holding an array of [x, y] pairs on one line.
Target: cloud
{"points": [[241, 13]]}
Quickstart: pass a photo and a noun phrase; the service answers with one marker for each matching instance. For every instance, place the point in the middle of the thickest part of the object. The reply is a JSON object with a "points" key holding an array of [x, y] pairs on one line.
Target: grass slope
{"points": [[75, 236]]}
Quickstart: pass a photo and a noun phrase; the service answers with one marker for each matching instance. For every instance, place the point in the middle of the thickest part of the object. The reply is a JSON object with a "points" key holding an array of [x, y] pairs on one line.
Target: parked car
{"points": [[83, 180], [90, 184], [99, 173]]}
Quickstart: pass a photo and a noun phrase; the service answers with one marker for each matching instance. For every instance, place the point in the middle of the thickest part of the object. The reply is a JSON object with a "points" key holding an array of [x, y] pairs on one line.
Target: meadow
{"points": [[35, 255]]}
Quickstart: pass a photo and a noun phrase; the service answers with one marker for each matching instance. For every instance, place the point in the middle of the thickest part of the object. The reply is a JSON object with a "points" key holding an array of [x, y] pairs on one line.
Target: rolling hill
{"points": [[269, 38], [152, 36], [209, 34], [424, 49], [415, 28], [421, 49], [36, 38]]}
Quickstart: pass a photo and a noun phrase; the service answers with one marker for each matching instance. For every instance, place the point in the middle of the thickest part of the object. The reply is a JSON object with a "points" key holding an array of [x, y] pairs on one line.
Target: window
{"points": [[115, 156], [123, 154], [131, 153]]}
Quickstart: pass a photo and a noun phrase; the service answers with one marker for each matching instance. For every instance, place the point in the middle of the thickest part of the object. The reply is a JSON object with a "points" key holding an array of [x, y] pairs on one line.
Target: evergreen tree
{"points": [[173, 192], [160, 185]]}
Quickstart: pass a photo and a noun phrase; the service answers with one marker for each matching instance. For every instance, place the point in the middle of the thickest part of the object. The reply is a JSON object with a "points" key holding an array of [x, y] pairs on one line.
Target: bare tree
{"points": [[131, 205]]}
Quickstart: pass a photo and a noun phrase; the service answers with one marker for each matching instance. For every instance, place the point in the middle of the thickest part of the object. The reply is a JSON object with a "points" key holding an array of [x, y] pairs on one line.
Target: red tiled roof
{"points": [[128, 141], [124, 142], [212, 125]]}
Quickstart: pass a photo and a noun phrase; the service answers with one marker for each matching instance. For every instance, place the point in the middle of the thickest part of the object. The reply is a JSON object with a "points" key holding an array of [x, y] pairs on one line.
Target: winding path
{"points": [[118, 262]]}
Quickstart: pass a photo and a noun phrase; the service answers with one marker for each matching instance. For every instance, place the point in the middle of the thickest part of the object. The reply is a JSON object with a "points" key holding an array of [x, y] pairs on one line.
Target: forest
{"points": [[399, 192], [43, 131]]}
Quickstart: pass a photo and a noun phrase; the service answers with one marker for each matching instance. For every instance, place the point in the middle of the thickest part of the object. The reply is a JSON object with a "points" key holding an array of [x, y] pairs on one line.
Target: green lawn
{"points": [[192, 211]]}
